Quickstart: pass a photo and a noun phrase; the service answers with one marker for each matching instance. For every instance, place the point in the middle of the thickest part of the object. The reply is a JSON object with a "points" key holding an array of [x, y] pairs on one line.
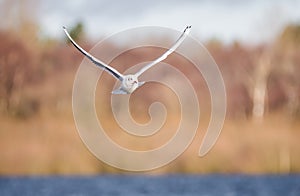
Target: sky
{"points": [[249, 22]]}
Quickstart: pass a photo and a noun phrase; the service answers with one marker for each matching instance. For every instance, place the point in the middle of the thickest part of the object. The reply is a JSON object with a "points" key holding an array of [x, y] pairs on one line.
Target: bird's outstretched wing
{"points": [[166, 54], [99, 63]]}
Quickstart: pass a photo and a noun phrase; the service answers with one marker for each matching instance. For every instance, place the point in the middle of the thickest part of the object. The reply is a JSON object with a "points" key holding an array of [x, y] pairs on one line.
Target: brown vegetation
{"points": [[38, 134]]}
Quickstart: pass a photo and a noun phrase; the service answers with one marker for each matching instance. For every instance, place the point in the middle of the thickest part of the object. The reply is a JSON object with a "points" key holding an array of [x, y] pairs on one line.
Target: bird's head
{"points": [[131, 81]]}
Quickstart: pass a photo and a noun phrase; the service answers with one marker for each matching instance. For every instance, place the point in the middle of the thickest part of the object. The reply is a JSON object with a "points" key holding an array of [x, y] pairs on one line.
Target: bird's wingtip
{"points": [[187, 28]]}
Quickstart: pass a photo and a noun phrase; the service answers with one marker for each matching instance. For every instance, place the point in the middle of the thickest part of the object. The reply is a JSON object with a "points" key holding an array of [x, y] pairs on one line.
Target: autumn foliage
{"points": [[36, 85]]}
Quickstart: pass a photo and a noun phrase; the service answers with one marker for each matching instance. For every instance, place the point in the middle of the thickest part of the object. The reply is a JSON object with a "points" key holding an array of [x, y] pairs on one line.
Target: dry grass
{"points": [[250, 147], [43, 145], [50, 144]]}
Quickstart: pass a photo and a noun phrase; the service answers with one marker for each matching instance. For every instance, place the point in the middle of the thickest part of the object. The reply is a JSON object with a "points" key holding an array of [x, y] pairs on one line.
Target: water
{"points": [[206, 185]]}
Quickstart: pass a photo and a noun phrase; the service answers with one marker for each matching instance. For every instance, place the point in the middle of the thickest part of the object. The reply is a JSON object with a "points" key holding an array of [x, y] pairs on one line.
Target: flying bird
{"points": [[129, 83]]}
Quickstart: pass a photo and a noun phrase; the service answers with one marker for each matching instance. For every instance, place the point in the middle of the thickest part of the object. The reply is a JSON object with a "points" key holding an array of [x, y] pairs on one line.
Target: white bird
{"points": [[129, 83]]}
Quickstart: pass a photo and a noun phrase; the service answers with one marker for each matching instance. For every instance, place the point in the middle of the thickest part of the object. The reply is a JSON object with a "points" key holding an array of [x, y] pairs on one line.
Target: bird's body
{"points": [[129, 83]]}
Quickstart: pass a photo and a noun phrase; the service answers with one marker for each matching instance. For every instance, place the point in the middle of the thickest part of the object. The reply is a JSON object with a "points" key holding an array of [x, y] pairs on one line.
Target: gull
{"points": [[129, 83]]}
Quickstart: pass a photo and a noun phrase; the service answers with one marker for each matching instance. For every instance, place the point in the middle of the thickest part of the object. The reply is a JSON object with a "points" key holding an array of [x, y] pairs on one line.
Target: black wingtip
{"points": [[64, 27], [187, 27]]}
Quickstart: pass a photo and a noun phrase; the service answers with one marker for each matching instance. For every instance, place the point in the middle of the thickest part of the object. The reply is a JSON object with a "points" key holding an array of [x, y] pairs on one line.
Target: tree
{"points": [[15, 67], [77, 32], [20, 17], [261, 73], [288, 44], [290, 38]]}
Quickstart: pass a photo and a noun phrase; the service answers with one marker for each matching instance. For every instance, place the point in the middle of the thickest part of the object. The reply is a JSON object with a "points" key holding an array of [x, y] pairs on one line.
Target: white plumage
{"points": [[129, 83]]}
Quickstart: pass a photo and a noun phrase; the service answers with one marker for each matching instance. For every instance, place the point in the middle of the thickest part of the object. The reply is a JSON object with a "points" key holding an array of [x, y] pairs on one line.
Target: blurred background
{"points": [[256, 45]]}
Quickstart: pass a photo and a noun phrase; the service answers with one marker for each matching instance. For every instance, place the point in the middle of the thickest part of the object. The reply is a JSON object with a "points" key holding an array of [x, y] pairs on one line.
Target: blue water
{"points": [[206, 185]]}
